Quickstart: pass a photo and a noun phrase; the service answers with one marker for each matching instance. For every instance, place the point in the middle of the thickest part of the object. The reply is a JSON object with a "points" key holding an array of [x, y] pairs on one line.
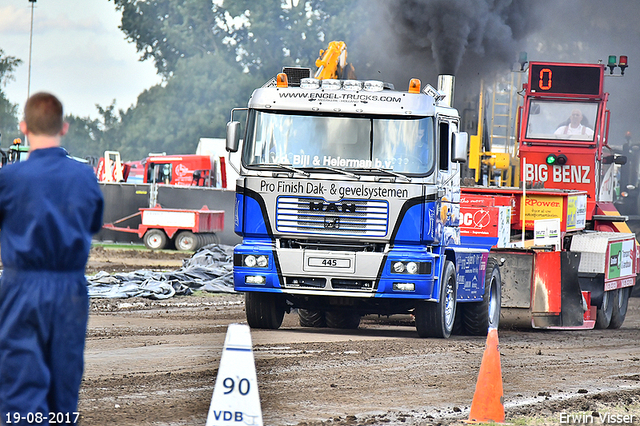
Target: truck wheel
{"points": [[480, 316], [605, 310], [458, 323], [155, 239], [309, 318], [206, 239], [436, 319], [264, 310], [186, 241], [344, 320], [620, 307], [212, 238]]}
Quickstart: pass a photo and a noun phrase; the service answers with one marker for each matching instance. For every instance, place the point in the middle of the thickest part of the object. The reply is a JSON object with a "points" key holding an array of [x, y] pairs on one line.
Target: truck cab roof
{"points": [[340, 100]]}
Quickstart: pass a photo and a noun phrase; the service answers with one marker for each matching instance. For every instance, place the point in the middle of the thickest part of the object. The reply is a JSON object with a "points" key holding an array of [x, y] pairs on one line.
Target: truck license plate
{"points": [[327, 262]]}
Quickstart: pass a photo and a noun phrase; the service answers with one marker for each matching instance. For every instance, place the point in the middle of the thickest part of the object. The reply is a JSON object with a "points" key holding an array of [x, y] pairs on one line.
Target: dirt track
{"points": [[155, 363]]}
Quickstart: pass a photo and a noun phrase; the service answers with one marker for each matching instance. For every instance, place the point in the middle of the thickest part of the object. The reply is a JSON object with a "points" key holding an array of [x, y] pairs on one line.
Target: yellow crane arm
{"points": [[331, 61]]}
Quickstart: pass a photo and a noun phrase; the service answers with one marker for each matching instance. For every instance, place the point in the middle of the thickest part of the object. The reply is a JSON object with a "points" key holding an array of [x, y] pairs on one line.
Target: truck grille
{"points": [[361, 218]]}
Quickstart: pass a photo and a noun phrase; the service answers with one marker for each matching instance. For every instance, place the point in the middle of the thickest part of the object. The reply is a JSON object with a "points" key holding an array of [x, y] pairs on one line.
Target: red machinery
{"points": [[563, 138], [188, 229], [189, 170], [576, 259]]}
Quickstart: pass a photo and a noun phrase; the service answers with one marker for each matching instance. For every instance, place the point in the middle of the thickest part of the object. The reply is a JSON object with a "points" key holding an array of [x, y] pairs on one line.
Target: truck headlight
{"points": [[400, 267], [262, 261], [404, 286], [412, 267], [252, 260], [255, 279]]}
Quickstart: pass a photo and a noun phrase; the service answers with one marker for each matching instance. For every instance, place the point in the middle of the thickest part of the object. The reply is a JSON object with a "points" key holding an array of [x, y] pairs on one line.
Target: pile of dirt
{"points": [[128, 260]]}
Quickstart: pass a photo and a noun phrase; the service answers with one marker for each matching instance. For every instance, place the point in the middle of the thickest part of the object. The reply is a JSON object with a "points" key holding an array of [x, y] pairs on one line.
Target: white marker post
{"points": [[235, 399]]}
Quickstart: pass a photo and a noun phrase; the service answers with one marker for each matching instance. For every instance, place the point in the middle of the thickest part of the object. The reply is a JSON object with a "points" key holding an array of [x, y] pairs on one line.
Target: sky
{"points": [[78, 53]]}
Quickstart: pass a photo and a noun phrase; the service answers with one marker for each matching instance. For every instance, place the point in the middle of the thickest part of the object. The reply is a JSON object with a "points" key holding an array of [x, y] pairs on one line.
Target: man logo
{"points": [[332, 222], [332, 207]]}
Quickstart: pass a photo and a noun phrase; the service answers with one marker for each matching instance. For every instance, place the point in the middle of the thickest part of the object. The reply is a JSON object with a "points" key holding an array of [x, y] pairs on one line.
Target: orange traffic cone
{"points": [[487, 400]]}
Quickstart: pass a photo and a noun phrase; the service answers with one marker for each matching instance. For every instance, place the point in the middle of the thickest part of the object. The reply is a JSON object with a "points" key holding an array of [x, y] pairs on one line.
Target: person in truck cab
{"points": [[574, 128]]}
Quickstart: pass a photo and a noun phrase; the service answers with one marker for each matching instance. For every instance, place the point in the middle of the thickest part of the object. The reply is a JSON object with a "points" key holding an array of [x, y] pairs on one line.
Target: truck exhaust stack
{"points": [[446, 84]]}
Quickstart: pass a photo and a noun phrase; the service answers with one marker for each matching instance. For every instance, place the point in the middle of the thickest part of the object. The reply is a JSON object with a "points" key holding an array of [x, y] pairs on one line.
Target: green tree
{"points": [[83, 138], [8, 111], [169, 30], [287, 33], [90, 138], [194, 103], [261, 35], [212, 56]]}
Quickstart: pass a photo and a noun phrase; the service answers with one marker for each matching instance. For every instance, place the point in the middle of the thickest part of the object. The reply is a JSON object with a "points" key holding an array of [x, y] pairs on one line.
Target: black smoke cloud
{"points": [[472, 39], [488, 29], [481, 39]]}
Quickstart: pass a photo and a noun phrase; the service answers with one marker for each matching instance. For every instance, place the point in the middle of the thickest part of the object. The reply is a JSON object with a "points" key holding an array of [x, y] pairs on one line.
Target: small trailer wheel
{"points": [[186, 241], [155, 239]]}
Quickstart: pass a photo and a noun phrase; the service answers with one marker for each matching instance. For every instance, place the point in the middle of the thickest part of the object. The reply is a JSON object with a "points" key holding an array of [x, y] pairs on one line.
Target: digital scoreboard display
{"points": [[565, 79]]}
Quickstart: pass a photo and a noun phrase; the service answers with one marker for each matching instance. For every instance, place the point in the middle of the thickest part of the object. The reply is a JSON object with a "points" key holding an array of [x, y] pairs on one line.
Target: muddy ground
{"points": [[155, 362]]}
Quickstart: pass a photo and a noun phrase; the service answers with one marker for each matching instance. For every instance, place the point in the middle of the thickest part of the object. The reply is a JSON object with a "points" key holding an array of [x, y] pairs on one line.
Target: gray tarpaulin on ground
{"points": [[209, 269]]}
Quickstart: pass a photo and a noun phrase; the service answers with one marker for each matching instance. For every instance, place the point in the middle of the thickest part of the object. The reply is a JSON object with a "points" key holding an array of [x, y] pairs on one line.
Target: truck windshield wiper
{"points": [[344, 172], [287, 167], [387, 171]]}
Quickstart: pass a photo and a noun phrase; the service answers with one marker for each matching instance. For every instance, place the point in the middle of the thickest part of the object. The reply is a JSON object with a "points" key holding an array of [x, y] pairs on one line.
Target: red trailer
{"points": [[187, 229]]}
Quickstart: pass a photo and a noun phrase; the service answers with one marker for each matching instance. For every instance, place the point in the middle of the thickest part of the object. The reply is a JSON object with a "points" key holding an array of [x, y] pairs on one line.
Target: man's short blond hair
{"points": [[43, 114]]}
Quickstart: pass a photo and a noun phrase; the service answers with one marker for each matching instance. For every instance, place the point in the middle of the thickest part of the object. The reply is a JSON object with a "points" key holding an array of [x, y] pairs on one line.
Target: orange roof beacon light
{"points": [[282, 80], [414, 85], [17, 141]]}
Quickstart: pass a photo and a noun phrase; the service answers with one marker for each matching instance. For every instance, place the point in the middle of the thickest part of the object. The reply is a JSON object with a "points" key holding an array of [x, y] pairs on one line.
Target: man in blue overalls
{"points": [[50, 206]]}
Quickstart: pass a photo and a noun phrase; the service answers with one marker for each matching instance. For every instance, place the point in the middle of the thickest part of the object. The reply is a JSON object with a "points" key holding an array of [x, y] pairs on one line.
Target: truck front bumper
{"points": [[407, 272]]}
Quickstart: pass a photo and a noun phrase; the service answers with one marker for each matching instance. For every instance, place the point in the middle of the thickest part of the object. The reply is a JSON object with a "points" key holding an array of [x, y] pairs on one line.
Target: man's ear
{"points": [[65, 128], [23, 127]]}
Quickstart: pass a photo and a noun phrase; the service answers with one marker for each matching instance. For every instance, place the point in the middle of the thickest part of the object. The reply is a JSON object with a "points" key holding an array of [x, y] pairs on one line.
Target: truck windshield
{"points": [[561, 120], [404, 145]]}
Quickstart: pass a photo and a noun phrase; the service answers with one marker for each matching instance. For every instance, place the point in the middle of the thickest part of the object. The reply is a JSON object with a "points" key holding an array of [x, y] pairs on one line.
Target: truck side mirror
{"points": [[459, 146], [233, 136]]}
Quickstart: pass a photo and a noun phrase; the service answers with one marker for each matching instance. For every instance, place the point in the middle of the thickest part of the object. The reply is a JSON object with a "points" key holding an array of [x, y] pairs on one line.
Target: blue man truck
{"points": [[348, 203]]}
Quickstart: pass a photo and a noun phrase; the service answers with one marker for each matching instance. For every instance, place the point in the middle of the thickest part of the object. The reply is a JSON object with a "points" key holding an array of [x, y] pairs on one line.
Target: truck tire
{"points": [[155, 239], [437, 319], [186, 241], [264, 310], [458, 323], [620, 303], [478, 317], [207, 239], [309, 318], [605, 310], [343, 320]]}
